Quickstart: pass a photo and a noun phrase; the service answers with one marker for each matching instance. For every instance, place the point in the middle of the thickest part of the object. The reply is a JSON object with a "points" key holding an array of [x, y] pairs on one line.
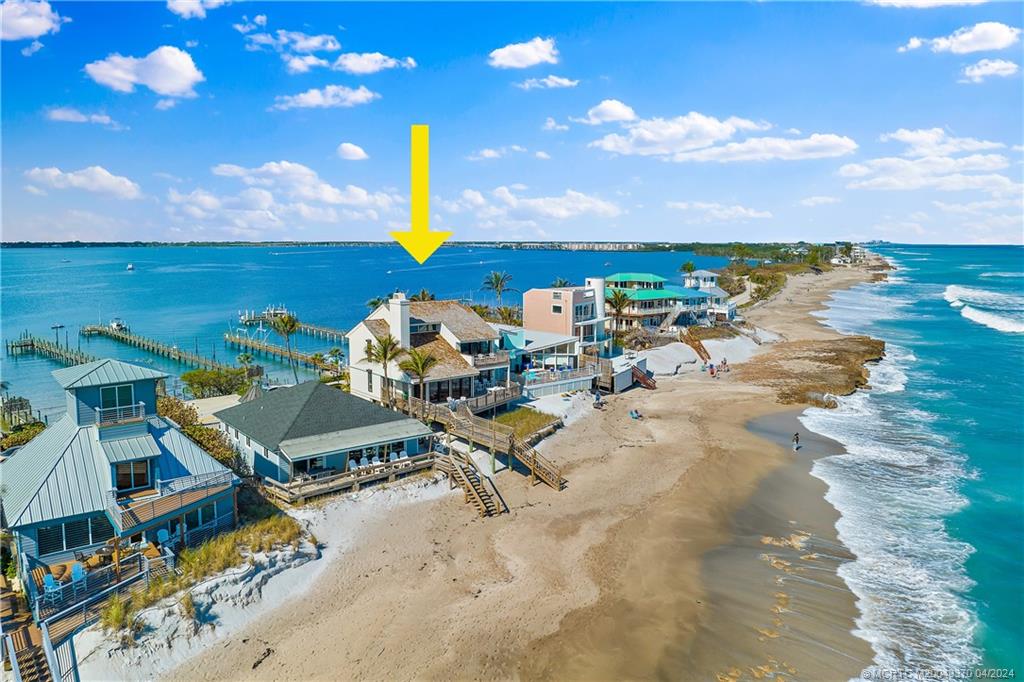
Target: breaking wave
{"points": [[1001, 311]]}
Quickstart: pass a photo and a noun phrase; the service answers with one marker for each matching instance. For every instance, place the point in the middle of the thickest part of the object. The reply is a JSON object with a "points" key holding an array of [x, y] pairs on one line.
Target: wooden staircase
{"points": [[697, 345], [462, 471], [32, 665], [540, 467], [643, 379]]}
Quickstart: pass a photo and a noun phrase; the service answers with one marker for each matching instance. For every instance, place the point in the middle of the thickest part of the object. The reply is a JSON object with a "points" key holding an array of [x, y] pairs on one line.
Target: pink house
{"points": [[577, 311]]}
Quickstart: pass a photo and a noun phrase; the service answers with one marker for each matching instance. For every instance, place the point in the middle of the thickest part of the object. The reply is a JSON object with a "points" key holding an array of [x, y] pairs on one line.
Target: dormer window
{"points": [[132, 475]]}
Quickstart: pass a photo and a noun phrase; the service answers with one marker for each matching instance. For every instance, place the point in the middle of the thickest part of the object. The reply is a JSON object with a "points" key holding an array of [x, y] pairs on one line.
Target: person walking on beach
{"points": [[796, 441]]}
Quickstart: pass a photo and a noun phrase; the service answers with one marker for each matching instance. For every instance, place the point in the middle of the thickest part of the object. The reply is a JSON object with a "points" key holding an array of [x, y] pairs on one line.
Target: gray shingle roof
{"points": [[65, 471], [103, 373], [460, 319], [309, 409]]}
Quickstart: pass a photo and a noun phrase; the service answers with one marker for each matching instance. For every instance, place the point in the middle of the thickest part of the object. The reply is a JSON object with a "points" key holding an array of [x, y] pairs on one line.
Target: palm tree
{"points": [[244, 359], [498, 283], [618, 301], [423, 295], [508, 315], [318, 360], [418, 364], [383, 352], [334, 355], [378, 301], [286, 325], [560, 283], [687, 267]]}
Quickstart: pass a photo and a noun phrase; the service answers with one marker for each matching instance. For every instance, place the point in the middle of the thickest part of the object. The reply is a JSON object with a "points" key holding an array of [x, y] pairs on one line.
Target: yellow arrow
{"points": [[420, 241]]}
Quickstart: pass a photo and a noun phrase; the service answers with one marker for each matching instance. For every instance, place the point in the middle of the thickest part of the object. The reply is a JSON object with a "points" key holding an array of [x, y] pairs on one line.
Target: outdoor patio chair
{"points": [[393, 457], [81, 556], [78, 577], [163, 537], [51, 590], [376, 459], [363, 463], [403, 455]]}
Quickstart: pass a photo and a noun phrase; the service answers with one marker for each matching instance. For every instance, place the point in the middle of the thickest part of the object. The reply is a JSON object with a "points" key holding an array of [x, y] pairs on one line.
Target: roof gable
{"points": [[309, 409], [103, 373]]}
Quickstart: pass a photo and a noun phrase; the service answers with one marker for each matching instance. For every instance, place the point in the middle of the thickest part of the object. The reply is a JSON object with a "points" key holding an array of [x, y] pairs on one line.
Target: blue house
{"points": [[107, 482]]}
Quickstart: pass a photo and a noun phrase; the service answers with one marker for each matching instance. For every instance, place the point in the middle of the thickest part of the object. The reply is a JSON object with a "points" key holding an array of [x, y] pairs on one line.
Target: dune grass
{"points": [[526, 421]]}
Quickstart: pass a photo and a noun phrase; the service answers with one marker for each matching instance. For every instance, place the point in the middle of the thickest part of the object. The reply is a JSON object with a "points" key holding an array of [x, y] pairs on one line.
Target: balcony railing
{"points": [[538, 377], [119, 415], [499, 357], [170, 496]]}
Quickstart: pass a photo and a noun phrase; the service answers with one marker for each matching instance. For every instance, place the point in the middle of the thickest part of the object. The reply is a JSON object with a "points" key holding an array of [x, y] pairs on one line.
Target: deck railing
{"points": [[537, 377], [171, 495], [499, 357], [327, 482], [493, 397], [118, 415]]}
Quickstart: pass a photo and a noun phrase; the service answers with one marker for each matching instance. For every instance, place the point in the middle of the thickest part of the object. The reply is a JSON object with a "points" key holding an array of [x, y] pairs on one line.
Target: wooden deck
{"points": [[28, 345], [297, 492], [489, 435], [140, 512], [153, 346]]}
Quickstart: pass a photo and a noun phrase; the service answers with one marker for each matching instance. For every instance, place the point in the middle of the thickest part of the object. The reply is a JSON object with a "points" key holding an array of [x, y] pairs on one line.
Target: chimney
{"points": [[398, 318]]}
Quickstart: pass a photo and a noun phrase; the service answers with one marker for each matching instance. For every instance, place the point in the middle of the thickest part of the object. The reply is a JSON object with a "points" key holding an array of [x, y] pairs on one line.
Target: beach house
{"points": [[109, 489], [650, 303], [470, 363], [718, 305], [314, 430], [571, 311]]}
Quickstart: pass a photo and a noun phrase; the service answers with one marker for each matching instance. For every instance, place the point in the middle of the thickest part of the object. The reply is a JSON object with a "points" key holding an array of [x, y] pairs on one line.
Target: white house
{"points": [[706, 281]]}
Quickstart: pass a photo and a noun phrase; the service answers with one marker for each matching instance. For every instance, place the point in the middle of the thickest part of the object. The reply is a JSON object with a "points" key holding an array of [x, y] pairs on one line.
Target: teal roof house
{"points": [[111, 486], [651, 303]]}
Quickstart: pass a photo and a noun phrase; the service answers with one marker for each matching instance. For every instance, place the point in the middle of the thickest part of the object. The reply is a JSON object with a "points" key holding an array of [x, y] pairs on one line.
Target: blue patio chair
{"points": [[78, 577], [51, 590], [163, 537], [393, 457], [403, 455], [376, 459], [363, 463]]}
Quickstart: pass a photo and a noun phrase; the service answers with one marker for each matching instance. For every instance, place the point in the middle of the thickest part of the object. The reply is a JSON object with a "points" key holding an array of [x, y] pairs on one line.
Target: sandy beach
{"points": [[687, 545]]}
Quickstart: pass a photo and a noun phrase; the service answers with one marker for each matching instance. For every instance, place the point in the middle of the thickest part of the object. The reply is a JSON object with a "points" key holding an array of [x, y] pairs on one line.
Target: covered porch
{"points": [[325, 455]]}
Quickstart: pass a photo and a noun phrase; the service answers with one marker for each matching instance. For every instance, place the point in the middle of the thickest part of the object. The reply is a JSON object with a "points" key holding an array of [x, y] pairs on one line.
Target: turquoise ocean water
{"points": [[931, 491]]}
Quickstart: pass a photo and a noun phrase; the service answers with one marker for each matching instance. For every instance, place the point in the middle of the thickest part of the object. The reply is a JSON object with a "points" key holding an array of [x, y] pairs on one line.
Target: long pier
{"points": [[155, 347], [236, 341], [321, 332], [27, 344], [251, 318]]}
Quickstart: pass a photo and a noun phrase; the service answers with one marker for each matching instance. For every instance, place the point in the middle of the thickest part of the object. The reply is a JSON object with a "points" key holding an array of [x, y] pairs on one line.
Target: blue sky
{"points": [[684, 122]]}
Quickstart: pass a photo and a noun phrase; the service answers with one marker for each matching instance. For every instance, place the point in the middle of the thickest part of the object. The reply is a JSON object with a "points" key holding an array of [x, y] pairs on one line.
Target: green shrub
{"points": [[21, 435], [207, 383]]}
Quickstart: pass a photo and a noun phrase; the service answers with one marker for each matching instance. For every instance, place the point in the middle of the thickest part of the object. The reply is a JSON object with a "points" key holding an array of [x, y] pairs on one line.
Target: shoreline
{"points": [[605, 579]]}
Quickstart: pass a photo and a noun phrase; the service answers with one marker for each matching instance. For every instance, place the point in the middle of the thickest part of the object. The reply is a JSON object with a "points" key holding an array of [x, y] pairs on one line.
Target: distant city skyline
{"points": [[896, 120]]}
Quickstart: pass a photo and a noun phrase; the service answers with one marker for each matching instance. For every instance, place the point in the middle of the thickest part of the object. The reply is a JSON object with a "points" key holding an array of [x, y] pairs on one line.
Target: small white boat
{"points": [[118, 325], [130, 267]]}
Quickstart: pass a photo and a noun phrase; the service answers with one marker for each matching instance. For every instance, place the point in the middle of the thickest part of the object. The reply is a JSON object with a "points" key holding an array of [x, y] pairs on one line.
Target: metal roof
{"points": [[65, 470], [309, 409], [634, 277], [646, 294], [351, 439], [103, 373], [702, 273], [128, 449]]}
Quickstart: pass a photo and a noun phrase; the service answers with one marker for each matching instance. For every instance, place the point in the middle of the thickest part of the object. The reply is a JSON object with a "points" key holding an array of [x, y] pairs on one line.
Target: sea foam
{"points": [[997, 310]]}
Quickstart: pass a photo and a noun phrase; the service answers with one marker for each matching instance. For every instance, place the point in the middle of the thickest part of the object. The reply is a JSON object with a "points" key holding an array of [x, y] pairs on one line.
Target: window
{"points": [[207, 513], [131, 475], [369, 381], [117, 396], [556, 295], [192, 520], [73, 534], [556, 310], [248, 442]]}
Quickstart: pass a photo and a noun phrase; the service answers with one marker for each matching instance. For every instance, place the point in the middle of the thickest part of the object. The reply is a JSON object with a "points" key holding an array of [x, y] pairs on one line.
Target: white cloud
{"points": [[571, 204], [937, 142], [72, 115], [32, 189], [980, 207], [31, 48], [303, 183], [547, 82], [522, 55], [544, 156], [488, 153], [302, 63], [552, 124], [982, 37], [973, 172], [815, 146], [924, 4], [21, 19], [167, 71], [165, 104], [329, 97], [986, 68], [193, 9], [259, 21], [709, 212], [818, 201], [364, 63], [191, 43], [92, 179], [291, 41], [608, 111], [352, 152]]}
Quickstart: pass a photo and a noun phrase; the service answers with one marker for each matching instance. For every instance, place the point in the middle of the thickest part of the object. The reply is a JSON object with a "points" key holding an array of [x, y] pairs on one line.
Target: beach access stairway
{"points": [[461, 471], [488, 434], [642, 378], [697, 345]]}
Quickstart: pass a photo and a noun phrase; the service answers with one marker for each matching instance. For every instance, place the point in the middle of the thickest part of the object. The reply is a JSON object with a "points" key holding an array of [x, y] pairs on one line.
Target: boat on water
{"points": [[118, 325], [130, 267]]}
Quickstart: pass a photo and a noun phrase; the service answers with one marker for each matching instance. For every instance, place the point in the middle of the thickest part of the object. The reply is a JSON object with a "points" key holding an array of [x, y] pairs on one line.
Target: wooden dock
{"points": [[251, 318], [26, 344], [155, 347], [321, 332], [261, 347]]}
